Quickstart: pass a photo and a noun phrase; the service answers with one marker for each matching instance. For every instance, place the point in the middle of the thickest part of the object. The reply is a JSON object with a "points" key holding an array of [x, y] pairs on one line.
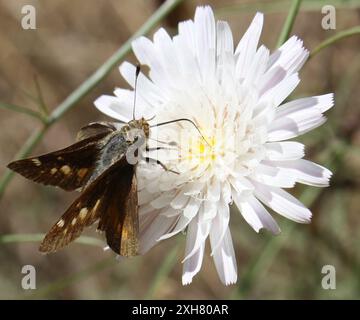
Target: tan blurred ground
{"points": [[72, 39]]}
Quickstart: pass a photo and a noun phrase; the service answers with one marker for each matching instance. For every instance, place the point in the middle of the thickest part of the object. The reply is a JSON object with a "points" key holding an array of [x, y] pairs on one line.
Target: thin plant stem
{"points": [[338, 36], [42, 105], [37, 237], [23, 110], [289, 22], [90, 83]]}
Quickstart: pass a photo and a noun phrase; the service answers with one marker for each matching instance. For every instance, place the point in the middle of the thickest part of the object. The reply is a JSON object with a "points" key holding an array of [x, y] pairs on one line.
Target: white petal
{"points": [[255, 214], [273, 176], [226, 191], [281, 91], [168, 55], [195, 246], [287, 150], [311, 106], [114, 108], [247, 46], [299, 116], [193, 188], [197, 232], [190, 211], [258, 66], [225, 57], [210, 210], [193, 265], [305, 171], [145, 209], [290, 56], [192, 208], [287, 128], [170, 212], [146, 89], [181, 224], [150, 233], [220, 224], [241, 184], [187, 34], [142, 108], [213, 190], [204, 23], [144, 196], [270, 79], [225, 42], [224, 257], [162, 200], [188, 65], [282, 202], [180, 201], [147, 54]]}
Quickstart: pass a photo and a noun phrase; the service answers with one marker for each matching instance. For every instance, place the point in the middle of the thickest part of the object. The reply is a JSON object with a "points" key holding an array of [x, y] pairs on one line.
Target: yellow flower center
{"points": [[200, 150]]}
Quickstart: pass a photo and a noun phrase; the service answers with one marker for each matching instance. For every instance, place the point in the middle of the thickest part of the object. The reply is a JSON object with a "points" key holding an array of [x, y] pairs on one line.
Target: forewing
{"points": [[67, 168], [95, 128], [92, 204]]}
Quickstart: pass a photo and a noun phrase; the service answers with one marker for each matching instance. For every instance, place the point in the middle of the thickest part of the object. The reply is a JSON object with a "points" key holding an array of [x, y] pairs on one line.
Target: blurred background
{"points": [[72, 39]]}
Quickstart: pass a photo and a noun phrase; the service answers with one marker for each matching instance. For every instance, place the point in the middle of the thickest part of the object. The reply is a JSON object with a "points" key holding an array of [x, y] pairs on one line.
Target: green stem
{"points": [[113, 61], [37, 237], [88, 85], [20, 109], [42, 105], [289, 22], [338, 36]]}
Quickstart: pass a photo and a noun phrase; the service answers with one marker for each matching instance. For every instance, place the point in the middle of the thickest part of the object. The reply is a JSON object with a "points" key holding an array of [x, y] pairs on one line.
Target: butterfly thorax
{"points": [[114, 146]]}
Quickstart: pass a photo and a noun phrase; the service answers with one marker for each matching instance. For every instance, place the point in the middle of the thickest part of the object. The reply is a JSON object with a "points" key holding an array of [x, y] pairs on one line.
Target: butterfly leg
{"points": [[147, 148], [152, 160]]}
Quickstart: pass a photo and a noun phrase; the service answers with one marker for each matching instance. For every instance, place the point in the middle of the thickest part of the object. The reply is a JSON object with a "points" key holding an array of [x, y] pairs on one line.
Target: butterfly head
{"points": [[140, 124]]}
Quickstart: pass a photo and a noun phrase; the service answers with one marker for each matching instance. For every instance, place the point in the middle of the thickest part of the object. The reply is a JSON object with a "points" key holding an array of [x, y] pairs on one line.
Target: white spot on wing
{"points": [[60, 223], [83, 213], [36, 162], [65, 169]]}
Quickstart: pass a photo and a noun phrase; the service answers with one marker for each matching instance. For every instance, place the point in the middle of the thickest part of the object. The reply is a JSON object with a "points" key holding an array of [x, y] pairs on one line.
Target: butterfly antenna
{"points": [[137, 72], [182, 119]]}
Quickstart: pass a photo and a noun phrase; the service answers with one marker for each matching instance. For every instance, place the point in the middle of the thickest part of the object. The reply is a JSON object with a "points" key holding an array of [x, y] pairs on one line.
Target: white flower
{"points": [[235, 96]]}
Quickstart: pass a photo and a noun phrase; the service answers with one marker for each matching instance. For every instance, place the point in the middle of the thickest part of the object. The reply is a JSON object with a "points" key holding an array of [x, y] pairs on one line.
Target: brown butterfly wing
{"points": [[95, 128], [121, 222], [103, 199], [67, 168]]}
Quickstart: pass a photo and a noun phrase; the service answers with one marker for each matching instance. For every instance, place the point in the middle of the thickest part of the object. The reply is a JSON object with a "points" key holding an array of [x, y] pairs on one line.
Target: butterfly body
{"points": [[97, 166], [115, 145]]}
